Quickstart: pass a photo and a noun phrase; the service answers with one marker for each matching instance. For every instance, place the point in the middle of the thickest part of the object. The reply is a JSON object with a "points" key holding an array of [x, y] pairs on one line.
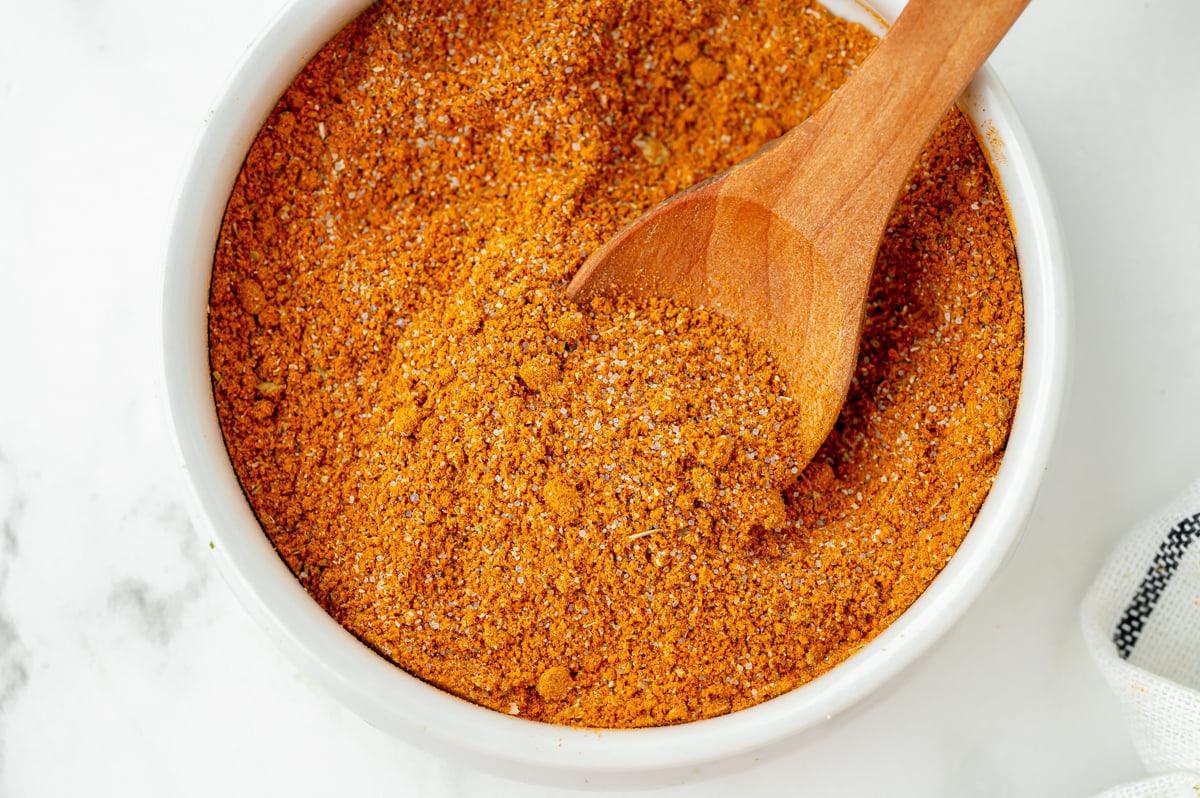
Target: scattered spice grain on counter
{"points": [[588, 515]]}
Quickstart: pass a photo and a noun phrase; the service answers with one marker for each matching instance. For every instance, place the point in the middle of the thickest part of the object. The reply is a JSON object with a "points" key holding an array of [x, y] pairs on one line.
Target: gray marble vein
{"points": [[154, 604], [14, 662]]}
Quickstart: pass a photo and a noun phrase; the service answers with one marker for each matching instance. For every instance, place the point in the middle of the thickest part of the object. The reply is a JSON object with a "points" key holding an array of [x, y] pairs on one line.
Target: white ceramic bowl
{"points": [[397, 703]]}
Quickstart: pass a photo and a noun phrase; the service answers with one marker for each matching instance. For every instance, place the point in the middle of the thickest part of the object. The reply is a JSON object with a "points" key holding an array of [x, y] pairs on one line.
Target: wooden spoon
{"points": [[785, 241]]}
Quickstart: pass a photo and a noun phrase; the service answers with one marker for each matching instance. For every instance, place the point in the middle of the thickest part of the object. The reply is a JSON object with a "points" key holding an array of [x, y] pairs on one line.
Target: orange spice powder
{"points": [[589, 515]]}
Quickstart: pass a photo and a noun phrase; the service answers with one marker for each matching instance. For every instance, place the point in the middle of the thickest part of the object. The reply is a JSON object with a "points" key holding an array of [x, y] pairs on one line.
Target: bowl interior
{"points": [[395, 702]]}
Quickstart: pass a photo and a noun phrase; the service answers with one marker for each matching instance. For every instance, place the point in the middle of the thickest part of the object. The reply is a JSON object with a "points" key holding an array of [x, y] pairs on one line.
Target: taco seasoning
{"points": [[589, 515]]}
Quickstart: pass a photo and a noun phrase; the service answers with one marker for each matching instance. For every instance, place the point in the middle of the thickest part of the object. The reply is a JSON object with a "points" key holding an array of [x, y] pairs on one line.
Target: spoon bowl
{"points": [[785, 241]]}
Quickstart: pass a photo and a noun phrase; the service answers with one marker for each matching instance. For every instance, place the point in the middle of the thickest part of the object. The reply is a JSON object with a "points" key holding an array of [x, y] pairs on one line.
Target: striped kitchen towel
{"points": [[1141, 622]]}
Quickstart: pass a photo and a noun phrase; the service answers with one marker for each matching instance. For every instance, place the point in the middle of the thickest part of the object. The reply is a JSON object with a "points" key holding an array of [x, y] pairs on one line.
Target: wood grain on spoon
{"points": [[786, 240]]}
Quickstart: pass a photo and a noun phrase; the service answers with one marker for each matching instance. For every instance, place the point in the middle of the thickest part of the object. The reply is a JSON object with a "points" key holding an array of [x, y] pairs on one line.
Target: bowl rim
{"points": [[408, 708]]}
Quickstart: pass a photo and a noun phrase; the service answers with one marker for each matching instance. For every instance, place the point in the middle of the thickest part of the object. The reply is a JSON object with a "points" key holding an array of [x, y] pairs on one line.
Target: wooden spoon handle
{"points": [[846, 184]]}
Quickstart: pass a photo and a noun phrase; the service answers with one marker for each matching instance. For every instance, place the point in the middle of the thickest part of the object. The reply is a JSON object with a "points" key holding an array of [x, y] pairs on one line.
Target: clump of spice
{"points": [[588, 515]]}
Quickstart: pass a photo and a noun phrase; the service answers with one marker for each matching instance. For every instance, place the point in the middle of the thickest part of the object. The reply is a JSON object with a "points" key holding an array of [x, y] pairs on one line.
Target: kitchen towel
{"points": [[1141, 622]]}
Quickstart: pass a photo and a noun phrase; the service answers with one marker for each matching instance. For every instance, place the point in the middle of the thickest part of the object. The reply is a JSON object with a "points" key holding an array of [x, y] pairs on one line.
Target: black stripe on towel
{"points": [[1166, 562]]}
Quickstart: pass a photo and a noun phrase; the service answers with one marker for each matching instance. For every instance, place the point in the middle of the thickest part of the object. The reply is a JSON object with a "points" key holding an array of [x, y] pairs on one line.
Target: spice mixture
{"points": [[588, 515]]}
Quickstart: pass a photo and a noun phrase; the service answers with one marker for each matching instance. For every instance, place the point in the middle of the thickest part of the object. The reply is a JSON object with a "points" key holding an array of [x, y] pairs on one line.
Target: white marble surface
{"points": [[127, 667]]}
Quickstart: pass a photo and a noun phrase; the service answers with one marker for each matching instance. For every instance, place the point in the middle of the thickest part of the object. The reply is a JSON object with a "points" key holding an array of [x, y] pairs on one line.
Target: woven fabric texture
{"points": [[1141, 622]]}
